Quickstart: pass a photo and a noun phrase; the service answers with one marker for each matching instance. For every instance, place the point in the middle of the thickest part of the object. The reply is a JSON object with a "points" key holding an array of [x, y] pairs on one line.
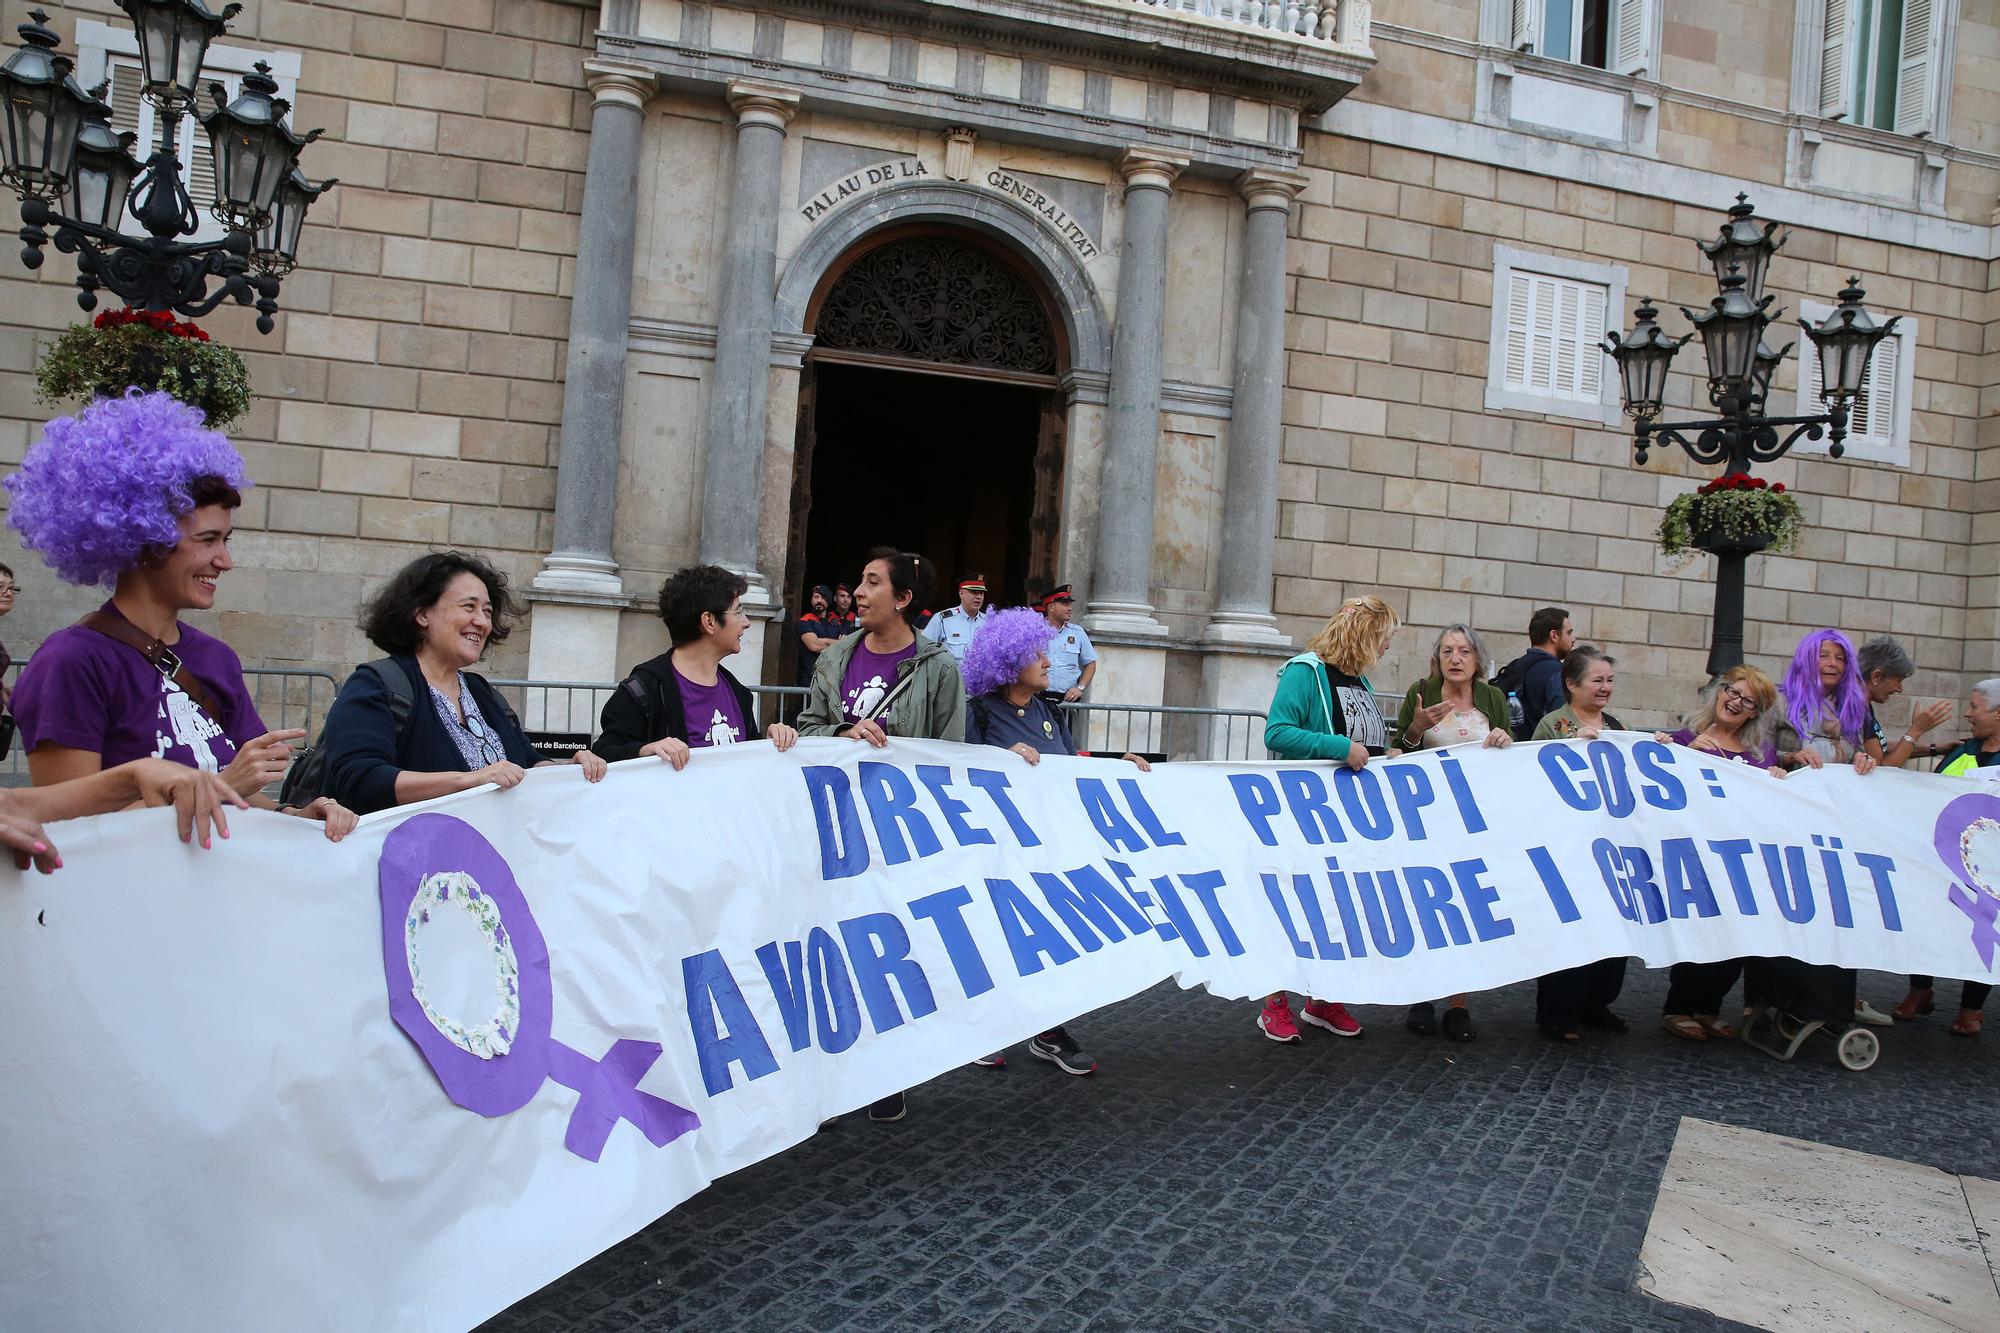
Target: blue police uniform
{"points": [[1069, 653]]}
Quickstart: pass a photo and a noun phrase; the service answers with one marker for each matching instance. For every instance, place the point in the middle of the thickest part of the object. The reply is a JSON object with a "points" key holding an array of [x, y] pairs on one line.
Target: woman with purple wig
{"points": [[1006, 672], [134, 493], [1825, 715], [1824, 719]]}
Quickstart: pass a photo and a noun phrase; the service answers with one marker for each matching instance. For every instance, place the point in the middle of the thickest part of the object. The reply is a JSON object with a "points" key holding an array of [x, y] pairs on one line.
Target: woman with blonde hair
{"points": [[1325, 708], [1736, 721]]}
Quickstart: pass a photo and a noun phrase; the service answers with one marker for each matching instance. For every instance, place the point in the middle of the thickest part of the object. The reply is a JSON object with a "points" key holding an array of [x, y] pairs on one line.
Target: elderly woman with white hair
{"points": [[1980, 750], [1454, 705]]}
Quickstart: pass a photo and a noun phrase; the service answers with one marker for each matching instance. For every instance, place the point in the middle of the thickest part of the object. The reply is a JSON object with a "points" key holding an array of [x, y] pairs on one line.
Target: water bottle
{"points": [[1516, 715]]}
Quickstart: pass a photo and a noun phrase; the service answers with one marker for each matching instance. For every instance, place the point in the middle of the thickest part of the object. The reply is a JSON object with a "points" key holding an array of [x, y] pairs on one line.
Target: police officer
{"points": [[1072, 660], [955, 628]]}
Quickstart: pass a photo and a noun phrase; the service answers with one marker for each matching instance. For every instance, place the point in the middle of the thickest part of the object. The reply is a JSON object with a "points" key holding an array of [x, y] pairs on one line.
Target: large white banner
{"points": [[401, 1082]]}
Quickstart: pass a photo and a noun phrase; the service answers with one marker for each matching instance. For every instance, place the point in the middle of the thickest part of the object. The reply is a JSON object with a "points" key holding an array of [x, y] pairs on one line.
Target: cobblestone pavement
{"points": [[1207, 1179]]}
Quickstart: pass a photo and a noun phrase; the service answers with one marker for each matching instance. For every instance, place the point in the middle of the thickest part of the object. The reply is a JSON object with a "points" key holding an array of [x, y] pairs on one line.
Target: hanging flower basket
{"points": [[145, 349], [1736, 512]]}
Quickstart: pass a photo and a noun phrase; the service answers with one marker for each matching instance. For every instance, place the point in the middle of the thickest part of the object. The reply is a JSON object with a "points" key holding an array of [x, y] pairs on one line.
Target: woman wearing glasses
{"points": [[1735, 722], [435, 619]]}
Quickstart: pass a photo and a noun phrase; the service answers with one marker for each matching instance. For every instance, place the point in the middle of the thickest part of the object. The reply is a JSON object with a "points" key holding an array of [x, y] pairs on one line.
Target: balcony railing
{"points": [[1342, 24]]}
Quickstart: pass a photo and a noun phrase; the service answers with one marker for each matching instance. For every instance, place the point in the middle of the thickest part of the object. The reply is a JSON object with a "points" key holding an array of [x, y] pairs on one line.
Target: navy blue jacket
{"points": [[991, 720], [364, 753]]}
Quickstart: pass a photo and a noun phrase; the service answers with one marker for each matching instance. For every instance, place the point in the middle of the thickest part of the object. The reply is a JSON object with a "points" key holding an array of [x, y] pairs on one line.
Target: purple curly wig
{"points": [[100, 487], [1808, 703], [1008, 641]]}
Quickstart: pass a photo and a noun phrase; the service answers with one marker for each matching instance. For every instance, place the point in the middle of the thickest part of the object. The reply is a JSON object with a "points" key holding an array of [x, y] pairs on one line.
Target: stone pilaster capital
{"points": [[615, 84], [1270, 187], [766, 104], [1150, 168]]}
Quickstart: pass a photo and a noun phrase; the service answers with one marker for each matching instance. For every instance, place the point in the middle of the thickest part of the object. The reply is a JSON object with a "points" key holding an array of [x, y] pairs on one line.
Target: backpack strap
{"points": [[162, 658], [402, 694]]}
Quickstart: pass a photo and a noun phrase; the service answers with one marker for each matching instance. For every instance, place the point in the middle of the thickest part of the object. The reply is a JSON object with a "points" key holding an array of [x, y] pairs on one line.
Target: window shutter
{"points": [[1527, 25], [1519, 326], [1914, 68], [1874, 416], [1835, 55], [1631, 42], [1552, 330]]}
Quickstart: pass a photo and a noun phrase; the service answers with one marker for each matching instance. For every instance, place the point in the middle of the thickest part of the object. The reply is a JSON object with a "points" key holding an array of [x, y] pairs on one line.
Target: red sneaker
{"points": [[1276, 1020], [1333, 1017]]}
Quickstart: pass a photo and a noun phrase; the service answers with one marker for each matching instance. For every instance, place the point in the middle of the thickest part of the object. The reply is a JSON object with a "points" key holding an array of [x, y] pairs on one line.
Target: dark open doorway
{"points": [[931, 463], [930, 418]]}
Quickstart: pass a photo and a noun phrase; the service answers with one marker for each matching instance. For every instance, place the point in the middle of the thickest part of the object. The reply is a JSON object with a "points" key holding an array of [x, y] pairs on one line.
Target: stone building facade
{"points": [[1216, 321]]}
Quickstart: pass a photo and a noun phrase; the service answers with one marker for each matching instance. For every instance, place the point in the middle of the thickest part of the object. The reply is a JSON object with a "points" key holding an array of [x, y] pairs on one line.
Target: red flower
{"points": [[1778, 489]]}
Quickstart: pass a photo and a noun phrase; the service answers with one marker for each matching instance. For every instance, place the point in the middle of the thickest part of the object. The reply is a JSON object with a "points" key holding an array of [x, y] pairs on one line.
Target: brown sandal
{"points": [[1915, 1005], [1681, 1025], [1968, 1024], [1715, 1027]]}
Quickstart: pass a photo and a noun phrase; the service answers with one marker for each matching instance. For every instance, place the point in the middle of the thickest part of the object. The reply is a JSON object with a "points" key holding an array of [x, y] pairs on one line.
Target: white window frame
{"points": [[1500, 396], [99, 45], [1631, 46], [1823, 60], [1874, 447]]}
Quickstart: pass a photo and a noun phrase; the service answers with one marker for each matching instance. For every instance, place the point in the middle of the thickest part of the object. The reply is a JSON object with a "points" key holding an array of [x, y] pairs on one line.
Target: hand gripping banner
{"points": [[401, 1082]]}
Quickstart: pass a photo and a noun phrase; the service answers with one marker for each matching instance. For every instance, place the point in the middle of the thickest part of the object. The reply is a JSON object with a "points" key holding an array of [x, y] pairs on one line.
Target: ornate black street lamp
{"points": [[76, 175], [1740, 369]]}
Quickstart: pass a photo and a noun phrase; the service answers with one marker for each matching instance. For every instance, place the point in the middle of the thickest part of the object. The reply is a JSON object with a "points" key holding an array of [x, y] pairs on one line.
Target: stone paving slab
{"points": [[1207, 1179]]}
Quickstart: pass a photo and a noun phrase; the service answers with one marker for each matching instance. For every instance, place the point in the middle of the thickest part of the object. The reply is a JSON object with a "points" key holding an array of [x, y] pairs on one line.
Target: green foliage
{"points": [[131, 349], [1731, 508]]}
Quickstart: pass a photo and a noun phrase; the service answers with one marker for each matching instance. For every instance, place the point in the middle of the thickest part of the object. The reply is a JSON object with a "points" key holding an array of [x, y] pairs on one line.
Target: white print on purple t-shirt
{"points": [[864, 698], [191, 727], [720, 732]]}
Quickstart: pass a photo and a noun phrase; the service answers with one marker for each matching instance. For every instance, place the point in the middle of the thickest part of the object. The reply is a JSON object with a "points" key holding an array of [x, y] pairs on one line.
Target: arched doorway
{"points": [[930, 415]]}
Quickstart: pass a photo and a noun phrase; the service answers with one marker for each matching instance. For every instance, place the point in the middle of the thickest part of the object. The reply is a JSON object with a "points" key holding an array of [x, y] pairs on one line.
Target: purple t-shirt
{"points": [[1764, 758], [711, 712], [870, 675], [88, 692]]}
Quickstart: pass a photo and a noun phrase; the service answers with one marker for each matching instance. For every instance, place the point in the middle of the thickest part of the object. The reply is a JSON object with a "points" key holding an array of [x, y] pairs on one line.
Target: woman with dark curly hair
{"points": [[419, 724], [1006, 673], [135, 493]]}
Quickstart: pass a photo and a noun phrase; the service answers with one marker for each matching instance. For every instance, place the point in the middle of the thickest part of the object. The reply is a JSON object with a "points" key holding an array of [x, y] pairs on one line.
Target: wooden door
{"points": [[1045, 523]]}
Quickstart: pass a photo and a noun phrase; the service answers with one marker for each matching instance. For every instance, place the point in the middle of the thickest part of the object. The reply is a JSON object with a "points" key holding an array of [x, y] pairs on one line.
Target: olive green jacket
{"points": [[932, 708]]}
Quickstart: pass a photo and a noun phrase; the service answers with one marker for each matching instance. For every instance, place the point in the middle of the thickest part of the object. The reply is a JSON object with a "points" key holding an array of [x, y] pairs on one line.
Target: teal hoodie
{"points": [[1300, 723]]}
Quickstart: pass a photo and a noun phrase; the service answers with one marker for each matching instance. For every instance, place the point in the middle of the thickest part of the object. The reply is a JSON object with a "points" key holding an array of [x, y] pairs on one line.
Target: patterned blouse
{"points": [[478, 744]]}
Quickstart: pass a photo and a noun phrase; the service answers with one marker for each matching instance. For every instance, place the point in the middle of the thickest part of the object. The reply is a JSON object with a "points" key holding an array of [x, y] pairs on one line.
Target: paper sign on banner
{"points": [[403, 1081]]}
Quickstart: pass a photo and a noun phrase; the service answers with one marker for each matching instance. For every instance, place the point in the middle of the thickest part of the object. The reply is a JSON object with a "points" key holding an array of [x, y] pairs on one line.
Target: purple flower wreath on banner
{"points": [[1967, 838], [100, 487], [1008, 641], [495, 1062]]}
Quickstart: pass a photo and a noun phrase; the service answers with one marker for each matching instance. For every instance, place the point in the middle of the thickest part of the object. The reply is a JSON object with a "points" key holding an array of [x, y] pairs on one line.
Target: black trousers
{"points": [[1971, 994], [1699, 988], [1563, 999]]}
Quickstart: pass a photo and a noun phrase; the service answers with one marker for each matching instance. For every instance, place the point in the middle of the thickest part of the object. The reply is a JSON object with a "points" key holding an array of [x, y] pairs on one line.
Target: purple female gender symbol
{"points": [[1977, 898], [431, 844]]}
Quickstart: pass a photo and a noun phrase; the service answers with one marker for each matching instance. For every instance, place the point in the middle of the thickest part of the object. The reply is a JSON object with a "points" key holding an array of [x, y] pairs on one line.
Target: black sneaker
{"points": [[997, 1060], [889, 1108], [1060, 1049]]}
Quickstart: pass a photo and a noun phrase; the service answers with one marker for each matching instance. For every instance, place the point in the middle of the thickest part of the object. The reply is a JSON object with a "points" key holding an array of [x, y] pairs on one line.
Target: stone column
{"points": [[1121, 583], [578, 594], [733, 478], [1242, 647], [599, 311], [1256, 427]]}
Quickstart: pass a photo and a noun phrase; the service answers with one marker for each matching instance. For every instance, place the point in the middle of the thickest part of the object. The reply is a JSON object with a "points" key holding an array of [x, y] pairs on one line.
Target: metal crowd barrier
{"points": [[1161, 731]]}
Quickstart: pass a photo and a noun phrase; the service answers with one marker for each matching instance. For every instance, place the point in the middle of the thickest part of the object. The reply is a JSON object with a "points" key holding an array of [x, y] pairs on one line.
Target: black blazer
{"points": [[364, 753], [647, 707]]}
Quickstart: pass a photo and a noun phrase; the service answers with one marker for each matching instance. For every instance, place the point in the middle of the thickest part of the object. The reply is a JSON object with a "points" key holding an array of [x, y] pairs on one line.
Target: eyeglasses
{"points": [[1740, 696], [8, 590]]}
